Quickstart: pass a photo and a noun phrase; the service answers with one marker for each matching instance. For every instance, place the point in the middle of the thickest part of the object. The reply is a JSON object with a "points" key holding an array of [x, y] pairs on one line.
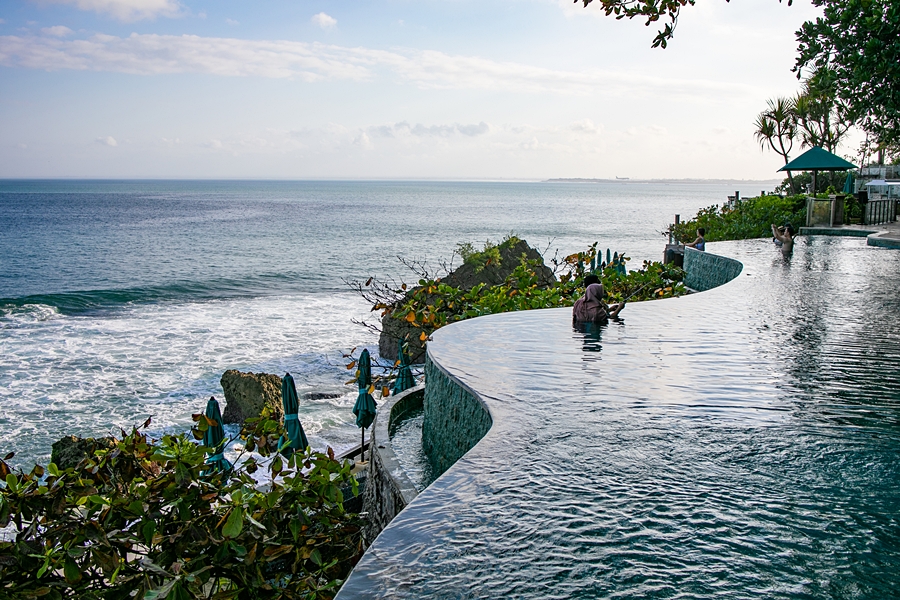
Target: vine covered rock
{"points": [[490, 267]]}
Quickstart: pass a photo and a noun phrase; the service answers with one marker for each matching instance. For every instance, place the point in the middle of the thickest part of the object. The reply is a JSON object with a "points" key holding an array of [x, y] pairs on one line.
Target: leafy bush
{"points": [[142, 520], [750, 218], [489, 254], [434, 304]]}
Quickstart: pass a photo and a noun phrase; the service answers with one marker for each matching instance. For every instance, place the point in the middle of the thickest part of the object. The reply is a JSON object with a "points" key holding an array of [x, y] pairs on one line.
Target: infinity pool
{"points": [[742, 443]]}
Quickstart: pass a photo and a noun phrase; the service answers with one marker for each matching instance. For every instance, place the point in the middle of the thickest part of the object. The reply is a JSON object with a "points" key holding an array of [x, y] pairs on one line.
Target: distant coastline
{"points": [[627, 180]]}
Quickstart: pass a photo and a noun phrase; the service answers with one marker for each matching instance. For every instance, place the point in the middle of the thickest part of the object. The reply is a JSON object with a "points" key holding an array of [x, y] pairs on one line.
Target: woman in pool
{"points": [[700, 242], [591, 308]]}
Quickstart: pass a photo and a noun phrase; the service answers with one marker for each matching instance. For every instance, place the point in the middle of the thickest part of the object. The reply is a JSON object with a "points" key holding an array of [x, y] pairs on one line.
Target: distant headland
{"points": [[629, 180]]}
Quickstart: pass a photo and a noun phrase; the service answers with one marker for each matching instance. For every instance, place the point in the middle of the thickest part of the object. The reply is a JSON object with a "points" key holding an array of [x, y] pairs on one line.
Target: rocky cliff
{"points": [[395, 330]]}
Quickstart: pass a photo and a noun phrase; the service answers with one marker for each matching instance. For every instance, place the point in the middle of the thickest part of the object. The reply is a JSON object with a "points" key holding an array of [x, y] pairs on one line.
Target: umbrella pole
{"points": [[362, 444]]}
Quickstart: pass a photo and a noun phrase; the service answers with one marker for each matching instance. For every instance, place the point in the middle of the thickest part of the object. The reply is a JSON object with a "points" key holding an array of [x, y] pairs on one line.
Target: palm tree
{"points": [[776, 127]]}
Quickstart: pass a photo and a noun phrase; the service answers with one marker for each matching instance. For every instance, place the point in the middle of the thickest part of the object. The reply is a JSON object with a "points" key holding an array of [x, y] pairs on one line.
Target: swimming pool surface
{"points": [[742, 443]]}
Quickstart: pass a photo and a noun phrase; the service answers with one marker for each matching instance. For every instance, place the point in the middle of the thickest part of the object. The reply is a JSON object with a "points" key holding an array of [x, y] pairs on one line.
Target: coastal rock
{"points": [[467, 276], [71, 450], [247, 393], [396, 330]]}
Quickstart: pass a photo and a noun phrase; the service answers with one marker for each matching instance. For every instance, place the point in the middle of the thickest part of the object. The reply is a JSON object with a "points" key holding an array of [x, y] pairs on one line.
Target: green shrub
{"points": [[750, 218], [143, 521], [489, 254]]}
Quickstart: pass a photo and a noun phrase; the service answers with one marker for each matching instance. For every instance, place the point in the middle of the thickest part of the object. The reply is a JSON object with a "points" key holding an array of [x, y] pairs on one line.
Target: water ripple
{"points": [[738, 443]]}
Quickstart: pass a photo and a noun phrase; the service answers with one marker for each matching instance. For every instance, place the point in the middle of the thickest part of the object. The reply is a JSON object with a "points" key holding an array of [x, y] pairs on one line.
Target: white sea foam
{"points": [[89, 375], [11, 314]]}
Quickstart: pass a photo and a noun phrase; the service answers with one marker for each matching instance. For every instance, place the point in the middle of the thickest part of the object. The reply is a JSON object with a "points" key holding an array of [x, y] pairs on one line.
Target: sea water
{"points": [[121, 300]]}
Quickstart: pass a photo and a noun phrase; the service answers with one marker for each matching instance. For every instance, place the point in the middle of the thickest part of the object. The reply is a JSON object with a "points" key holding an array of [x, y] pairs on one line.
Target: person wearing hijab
{"points": [[591, 308]]}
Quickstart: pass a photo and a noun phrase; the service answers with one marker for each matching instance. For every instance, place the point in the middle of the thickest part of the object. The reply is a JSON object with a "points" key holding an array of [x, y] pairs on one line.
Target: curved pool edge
{"points": [[451, 400], [388, 489]]}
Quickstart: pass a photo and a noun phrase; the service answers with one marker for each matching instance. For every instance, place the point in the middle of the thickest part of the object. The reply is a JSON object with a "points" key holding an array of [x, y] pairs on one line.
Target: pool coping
{"points": [[882, 238]]}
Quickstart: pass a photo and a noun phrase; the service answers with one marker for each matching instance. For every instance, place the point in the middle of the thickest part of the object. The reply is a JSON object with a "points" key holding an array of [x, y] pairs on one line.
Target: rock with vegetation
{"points": [[489, 267], [69, 451], [415, 314], [246, 394]]}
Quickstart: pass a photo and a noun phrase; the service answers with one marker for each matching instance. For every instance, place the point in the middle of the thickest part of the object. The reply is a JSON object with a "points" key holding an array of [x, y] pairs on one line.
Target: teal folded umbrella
{"points": [[364, 409], [405, 379], [848, 183], [214, 438], [292, 424]]}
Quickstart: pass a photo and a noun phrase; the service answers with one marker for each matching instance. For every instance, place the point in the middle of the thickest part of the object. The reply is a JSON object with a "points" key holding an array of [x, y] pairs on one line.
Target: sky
{"points": [[387, 89]]}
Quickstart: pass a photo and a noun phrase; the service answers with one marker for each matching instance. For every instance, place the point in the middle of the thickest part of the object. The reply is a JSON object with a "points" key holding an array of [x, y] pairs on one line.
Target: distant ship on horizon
{"points": [[617, 177]]}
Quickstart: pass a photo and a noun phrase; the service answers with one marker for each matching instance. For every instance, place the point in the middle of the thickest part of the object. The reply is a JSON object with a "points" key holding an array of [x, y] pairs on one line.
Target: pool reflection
{"points": [[741, 442]]}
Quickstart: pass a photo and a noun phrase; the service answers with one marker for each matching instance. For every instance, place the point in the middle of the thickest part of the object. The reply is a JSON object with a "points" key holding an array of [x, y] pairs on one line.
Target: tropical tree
{"points": [[776, 128], [859, 42], [653, 10], [821, 117]]}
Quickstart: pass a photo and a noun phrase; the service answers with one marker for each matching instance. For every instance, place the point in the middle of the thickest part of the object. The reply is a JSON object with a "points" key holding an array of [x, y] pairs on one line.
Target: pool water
{"points": [[406, 442], [741, 442]]}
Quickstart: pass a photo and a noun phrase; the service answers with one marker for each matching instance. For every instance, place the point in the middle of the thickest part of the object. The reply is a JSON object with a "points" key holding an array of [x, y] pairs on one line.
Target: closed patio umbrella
{"points": [[848, 183], [291, 421], [214, 438], [405, 378], [364, 409]]}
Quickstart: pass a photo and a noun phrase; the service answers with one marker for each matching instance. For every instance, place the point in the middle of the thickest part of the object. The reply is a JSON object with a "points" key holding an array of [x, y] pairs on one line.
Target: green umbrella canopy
{"points": [[364, 409], [292, 424], [214, 438], [848, 184], [817, 159], [405, 378]]}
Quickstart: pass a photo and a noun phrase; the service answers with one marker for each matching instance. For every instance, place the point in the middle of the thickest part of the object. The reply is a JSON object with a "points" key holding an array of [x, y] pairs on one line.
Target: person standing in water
{"points": [[591, 308], [786, 237]]}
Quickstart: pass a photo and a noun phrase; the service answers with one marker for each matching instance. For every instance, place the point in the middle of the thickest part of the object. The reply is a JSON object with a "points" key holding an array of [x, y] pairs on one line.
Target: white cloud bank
{"points": [[57, 31], [324, 21], [127, 10], [151, 54]]}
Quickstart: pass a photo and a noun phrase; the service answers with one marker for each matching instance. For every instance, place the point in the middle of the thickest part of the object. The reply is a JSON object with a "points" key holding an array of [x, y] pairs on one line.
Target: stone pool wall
{"points": [[455, 419], [704, 271], [388, 489]]}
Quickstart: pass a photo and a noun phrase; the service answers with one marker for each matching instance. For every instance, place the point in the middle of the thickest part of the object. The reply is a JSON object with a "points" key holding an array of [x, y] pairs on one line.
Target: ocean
{"points": [[121, 300]]}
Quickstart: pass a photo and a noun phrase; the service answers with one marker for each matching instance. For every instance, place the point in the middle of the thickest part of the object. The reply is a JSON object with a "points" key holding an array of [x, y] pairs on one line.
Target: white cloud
{"points": [[232, 22], [57, 31], [404, 129], [2, 21], [362, 140], [127, 10], [108, 141], [324, 21], [151, 54], [585, 126]]}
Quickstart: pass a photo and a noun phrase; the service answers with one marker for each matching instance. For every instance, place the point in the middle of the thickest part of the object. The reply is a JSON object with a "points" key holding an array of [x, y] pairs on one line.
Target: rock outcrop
{"points": [[247, 393], [71, 450], [395, 330]]}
